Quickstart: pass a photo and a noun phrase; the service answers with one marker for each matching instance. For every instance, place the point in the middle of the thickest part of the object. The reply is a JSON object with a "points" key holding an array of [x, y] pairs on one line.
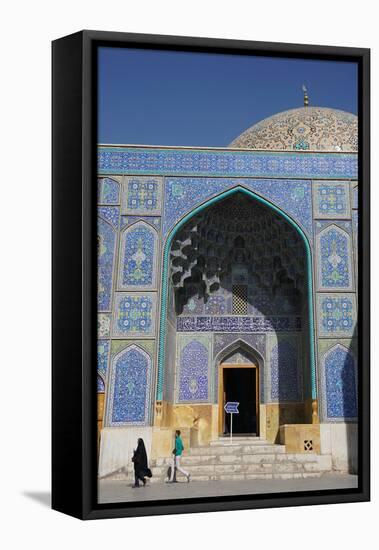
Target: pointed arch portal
{"points": [[165, 282]]}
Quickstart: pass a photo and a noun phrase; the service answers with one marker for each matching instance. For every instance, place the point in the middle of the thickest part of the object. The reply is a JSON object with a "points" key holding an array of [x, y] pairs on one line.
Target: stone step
{"points": [[209, 469], [230, 459], [242, 466], [240, 440], [237, 448], [240, 476]]}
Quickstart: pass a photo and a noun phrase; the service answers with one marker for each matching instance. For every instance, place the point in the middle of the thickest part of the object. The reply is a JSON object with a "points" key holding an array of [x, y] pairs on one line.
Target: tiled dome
{"points": [[303, 129]]}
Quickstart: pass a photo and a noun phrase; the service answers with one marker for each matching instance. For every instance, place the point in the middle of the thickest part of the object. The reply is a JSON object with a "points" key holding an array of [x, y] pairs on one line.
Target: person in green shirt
{"points": [[177, 452]]}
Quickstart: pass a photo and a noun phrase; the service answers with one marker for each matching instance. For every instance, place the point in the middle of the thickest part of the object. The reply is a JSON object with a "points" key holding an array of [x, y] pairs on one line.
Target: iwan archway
{"points": [[236, 264]]}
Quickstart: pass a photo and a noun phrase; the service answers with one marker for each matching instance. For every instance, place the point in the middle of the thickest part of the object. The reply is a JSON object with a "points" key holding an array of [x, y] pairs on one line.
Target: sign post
{"points": [[231, 407]]}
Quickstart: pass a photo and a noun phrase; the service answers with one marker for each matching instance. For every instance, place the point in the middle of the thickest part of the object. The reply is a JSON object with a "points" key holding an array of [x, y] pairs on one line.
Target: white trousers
{"points": [[176, 464]]}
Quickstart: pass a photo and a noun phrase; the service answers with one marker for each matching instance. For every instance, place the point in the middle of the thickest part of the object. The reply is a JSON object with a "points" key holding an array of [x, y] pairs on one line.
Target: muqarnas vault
{"points": [[231, 273]]}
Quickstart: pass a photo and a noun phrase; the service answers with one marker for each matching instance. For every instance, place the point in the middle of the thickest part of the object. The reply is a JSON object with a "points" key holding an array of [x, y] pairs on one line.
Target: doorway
{"points": [[239, 383]]}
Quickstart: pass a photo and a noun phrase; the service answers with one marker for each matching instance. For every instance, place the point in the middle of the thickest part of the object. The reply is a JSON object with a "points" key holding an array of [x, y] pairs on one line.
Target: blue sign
{"points": [[231, 407]]}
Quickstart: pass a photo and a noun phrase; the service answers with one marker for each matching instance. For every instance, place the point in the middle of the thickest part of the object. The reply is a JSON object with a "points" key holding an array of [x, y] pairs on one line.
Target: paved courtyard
{"points": [[111, 491]]}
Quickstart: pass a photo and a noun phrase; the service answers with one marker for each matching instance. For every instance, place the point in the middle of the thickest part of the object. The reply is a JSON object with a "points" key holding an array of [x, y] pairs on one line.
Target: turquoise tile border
{"points": [[208, 162]]}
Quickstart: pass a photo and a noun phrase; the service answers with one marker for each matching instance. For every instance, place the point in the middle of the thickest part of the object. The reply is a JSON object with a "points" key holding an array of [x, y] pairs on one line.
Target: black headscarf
{"points": [[140, 456]]}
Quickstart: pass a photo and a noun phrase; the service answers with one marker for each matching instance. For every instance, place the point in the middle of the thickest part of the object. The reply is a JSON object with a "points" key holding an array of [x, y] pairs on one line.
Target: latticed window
{"points": [[239, 299]]}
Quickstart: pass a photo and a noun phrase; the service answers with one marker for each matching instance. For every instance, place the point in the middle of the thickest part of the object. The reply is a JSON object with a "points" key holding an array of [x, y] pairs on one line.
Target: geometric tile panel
{"points": [[130, 387], [333, 253], [284, 372], [331, 200], [340, 381], [134, 314], [106, 239], [108, 191], [142, 195], [193, 369], [110, 214], [139, 160], [337, 314], [137, 267], [183, 194], [103, 325], [102, 357]]}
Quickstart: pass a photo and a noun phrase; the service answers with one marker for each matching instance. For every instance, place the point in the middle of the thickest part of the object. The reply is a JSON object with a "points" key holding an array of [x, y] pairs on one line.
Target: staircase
{"points": [[244, 459]]}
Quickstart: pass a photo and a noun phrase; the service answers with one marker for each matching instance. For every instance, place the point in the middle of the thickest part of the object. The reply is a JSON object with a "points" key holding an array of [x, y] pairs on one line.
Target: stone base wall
{"points": [[341, 441], [202, 418], [278, 414], [116, 449], [301, 438]]}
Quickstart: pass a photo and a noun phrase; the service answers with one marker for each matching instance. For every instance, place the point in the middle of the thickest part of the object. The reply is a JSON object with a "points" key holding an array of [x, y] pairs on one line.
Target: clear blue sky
{"points": [[179, 98]]}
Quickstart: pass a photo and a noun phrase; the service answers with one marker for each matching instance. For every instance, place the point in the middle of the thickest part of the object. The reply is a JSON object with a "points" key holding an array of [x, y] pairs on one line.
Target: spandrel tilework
{"points": [[225, 341], [183, 194], [126, 220]]}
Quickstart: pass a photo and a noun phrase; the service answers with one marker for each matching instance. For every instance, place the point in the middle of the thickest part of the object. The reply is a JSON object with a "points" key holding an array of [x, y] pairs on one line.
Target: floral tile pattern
{"points": [[110, 214], [134, 314], [130, 387], [183, 194], [284, 372], [137, 269], [331, 200], [333, 249], [142, 195], [336, 314], [340, 378], [103, 325], [193, 377]]}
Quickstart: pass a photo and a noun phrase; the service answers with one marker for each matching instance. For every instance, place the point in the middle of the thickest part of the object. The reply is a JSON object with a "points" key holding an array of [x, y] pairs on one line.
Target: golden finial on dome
{"points": [[306, 98]]}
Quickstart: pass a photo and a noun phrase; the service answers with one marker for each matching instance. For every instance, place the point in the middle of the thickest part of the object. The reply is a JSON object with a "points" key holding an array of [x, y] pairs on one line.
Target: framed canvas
{"points": [[210, 275]]}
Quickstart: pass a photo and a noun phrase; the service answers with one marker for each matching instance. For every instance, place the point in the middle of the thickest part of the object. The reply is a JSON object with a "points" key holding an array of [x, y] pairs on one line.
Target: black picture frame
{"points": [[74, 440]]}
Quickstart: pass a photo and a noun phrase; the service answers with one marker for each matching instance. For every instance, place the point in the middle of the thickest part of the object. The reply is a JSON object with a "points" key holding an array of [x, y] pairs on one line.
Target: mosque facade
{"points": [[230, 274]]}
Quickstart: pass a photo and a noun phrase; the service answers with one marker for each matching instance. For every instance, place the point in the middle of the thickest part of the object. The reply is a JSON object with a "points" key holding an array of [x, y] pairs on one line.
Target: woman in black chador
{"points": [[139, 459]]}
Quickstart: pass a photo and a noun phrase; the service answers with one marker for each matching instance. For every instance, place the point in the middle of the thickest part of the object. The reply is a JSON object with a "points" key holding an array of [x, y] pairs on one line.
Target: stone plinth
{"points": [[301, 438]]}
